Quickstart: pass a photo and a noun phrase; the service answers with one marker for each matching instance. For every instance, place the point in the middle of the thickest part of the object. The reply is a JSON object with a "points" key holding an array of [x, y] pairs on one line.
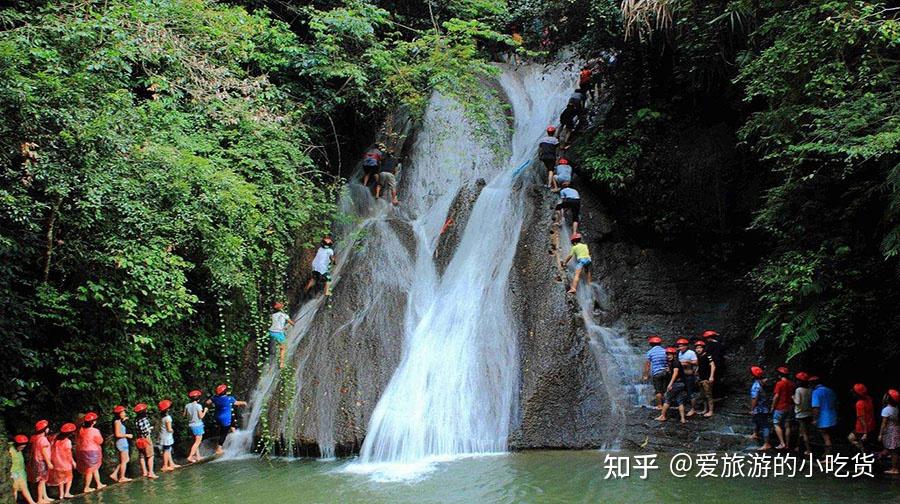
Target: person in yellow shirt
{"points": [[582, 261]]}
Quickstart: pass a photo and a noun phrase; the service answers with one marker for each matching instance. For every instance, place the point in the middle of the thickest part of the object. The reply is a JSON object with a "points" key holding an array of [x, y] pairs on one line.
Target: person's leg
{"points": [[123, 464], [310, 283], [787, 430], [394, 200], [88, 479], [143, 462], [895, 469], [804, 433], [377, 191], [662, 414], [150, 456], [692, 394], [574, 287], [710, 401], [854, 441], [42, 492], [97, 481], [826, 438], [281, 347], [777, 420], [194, 456], [20, 486], [681, 412]]}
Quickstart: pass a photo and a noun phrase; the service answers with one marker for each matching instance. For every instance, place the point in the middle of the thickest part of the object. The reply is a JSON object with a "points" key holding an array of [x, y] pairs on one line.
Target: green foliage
{"points": [[612, 155]]}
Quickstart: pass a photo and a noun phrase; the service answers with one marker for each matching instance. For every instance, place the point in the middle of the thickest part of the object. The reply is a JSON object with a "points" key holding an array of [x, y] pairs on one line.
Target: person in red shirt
{"points": [[63, 461], [40, 464], [89, 452], [783, 408], [865, 417]]}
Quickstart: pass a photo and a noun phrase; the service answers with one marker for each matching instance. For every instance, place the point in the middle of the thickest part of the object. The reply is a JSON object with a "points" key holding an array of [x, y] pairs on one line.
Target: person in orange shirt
{"points": [[865, 417], [40, 464], [89, 452], [63, 461]]}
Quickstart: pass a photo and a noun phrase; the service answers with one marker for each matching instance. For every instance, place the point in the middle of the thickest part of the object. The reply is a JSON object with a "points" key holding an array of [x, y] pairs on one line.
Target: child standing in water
{"points": [[224, 402], [17, 472], [582, 261], [63, 461], [276, 331], [89, 452], [195, 413], [40, 464], [145, 447], [122, 436], [166, 436]]}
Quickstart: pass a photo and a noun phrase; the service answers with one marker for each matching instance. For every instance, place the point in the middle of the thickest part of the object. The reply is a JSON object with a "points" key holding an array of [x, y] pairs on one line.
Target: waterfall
{"points": [[455, 390]]}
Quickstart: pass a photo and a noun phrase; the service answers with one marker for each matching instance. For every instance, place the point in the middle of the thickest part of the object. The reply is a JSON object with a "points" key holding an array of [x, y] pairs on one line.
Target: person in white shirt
{"points": [[571, 200], [321, 266], [280, 321]]}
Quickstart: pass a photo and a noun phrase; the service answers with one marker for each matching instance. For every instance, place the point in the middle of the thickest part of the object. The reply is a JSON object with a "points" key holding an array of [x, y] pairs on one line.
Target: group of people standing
{"points": [[684, 377], [52, 458]]}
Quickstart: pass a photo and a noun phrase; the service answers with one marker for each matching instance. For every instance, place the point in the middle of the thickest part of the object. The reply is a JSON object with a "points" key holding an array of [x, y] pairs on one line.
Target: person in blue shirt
{"points": [[824, 405], [224, 403], [656, 368], [759, 407]]}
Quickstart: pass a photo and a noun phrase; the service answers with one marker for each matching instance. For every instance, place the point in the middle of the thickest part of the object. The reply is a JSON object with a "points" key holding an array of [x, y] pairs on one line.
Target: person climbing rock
{"points": [[39, 463], [89, 452], [372, 164], [321, 266], [759, 407], [562, 173], [195, 413], [577, 100], [865, 418], [803, 410], [387, 180], [582, 261], [17, 472], [889, 434], [280, 321], [688, 360], [585, 82], [675, 394], [824, 406], [569, 200], [224, 403], [547, 147], [706, 377], [656, 369], [782, 407]]}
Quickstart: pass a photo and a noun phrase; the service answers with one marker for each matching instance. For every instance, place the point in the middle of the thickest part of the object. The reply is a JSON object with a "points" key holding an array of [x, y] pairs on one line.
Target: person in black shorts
{"points": [[547, 147], [676, 393]]}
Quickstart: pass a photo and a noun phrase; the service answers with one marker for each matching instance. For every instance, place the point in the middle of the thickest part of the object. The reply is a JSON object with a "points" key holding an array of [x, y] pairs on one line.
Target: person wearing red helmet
{"points": [[372, 163], [569, 200], [547, 146], [865, 418], [89, 452], [17, 472], [280, 321], [122, 446], [63, 461], [824, 405], [562, 173], [889, 434], [706, 376], [759, 407], [166, 436], [803, 412], [675, 390], [783, 407], [656, 368], [143, 436], [224, 403], [39, 463], [688, 360], [195, 413], [321, 266], [582, 261]]}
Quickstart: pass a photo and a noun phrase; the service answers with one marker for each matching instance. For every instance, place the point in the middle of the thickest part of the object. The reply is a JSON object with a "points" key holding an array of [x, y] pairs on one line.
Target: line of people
{"points": [[78, 446], [681, 376], [381, 167]]}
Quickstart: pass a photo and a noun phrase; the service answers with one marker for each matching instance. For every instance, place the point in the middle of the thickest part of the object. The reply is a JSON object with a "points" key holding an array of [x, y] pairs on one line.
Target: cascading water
{"points": [[455, 389]]}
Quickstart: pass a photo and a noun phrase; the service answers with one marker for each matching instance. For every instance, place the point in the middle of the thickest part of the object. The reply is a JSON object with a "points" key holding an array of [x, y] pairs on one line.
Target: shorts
{"points": [[142, 444], [549, 163], [388, 182], [166, 448], [660, 382], [88, 459], [277, 336], [690, 386], [371, 169], [224, 431], [197, 430], [560, 180], [583, 263], [122, 445], [38, 471], [572, 204], [779, 416], [705, 390], [761, 422], [677, 396], [321, 277]]}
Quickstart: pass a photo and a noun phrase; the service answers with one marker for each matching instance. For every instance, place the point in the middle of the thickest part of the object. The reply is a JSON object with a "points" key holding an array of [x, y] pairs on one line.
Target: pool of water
{"points": [[563, 476]]}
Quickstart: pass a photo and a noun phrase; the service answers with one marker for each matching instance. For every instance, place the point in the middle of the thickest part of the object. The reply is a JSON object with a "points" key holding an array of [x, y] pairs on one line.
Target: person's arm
{"points": [[646, 370], [568, 258], [117, 429], [775, 398], [289, 321], [884, 421], [45, 452], [168, 426], [712, 371], [754, 398], [674, 377], [240, 404], [202, 413]]}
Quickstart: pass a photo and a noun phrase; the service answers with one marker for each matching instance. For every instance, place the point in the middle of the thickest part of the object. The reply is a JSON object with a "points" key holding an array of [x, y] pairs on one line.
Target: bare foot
{"points": [[708, 414], [113, 477], [661, 418], [125, 480], [764, 447], [892, 471], [683, 421], [174, 466], [100, 487], [570, 291], [89, 490], [781, 447], [691, 413], [152, 476]]}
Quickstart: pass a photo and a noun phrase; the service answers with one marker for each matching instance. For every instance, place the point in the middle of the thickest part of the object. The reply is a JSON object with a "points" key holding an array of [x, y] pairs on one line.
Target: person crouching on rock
{"points": [[321, 266], [759, 407], [582, 261], [280, 320], [675, 390], [144, 430], [224, 403], [656, 369]]}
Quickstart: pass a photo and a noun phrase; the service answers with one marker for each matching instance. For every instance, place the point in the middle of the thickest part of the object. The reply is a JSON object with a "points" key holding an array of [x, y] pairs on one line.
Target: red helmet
{"points": [[164, 405], [700, 343], [814, 378], [671, 350], [563, 160], [893, 394], [575, 237], [67, 428], [757, 371], [802, 376], [860, 389], [139, 407], [654, 340], [682, 341], [193, 394], [90, 417], [278, 305], [551, 130], [709, 334], [783, 370], [20, 439], [118, 409], [40, 425], [221, 389]]}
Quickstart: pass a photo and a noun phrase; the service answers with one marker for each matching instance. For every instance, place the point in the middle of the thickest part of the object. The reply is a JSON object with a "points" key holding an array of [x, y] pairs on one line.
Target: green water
{"points": [[522, 477]]}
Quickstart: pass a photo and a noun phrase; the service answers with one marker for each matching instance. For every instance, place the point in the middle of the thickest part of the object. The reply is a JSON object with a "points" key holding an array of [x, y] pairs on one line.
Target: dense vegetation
{"points": [[163, 161]]}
